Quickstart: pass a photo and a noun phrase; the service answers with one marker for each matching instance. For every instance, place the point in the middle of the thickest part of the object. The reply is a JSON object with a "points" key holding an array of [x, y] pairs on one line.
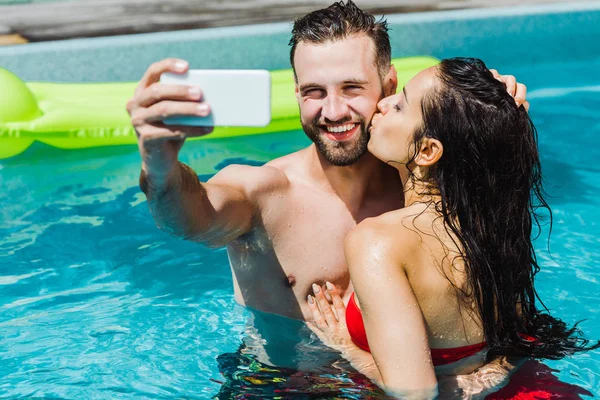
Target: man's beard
{"points": [[340, 154]]}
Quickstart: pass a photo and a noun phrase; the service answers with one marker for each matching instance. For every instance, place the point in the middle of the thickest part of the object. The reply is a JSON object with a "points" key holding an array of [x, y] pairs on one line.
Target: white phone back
{"points": [[236, 97]]}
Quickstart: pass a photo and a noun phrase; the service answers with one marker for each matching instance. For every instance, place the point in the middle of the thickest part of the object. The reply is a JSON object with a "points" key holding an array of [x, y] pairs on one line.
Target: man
{"points": [[283, 223]]}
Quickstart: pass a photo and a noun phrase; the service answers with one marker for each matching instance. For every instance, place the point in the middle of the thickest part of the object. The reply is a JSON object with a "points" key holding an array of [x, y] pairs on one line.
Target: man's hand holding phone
{"points": [[159, 144], [172, 103]]}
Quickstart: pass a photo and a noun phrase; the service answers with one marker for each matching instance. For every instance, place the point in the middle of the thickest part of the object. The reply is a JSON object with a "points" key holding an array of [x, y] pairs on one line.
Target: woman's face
{"points": [[392, 129]]}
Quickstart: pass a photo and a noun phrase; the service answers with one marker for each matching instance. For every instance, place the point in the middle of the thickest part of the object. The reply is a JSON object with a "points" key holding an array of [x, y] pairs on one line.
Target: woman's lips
{"points": [[373, 121]]}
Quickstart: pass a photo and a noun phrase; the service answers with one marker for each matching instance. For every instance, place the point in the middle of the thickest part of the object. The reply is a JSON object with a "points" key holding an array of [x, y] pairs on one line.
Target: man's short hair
{"points": [[339, 21]]}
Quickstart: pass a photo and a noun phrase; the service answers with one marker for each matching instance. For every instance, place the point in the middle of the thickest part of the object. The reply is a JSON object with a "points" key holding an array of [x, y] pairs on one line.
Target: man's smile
{"points": [[340, 133]]}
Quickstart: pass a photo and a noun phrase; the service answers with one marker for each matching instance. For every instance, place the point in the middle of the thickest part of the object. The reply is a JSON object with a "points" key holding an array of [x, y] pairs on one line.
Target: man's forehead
{"points": [[348, 59], [358, 43]]}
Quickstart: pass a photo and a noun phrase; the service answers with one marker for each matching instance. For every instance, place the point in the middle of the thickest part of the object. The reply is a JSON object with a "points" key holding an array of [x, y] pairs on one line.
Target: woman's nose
{"points": [[384, 105]]}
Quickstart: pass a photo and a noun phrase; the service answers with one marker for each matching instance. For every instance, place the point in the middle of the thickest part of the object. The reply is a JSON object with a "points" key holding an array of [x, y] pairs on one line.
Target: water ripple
{"points": [[11, 279], [96, 288]]}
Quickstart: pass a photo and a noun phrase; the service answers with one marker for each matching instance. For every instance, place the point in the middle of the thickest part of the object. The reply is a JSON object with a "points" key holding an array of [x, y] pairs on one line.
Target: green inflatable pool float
{"points": [[83, 115]]}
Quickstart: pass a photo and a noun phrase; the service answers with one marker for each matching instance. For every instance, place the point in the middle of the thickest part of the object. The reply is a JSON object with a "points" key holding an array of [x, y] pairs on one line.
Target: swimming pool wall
{"points": [[503, 37]]}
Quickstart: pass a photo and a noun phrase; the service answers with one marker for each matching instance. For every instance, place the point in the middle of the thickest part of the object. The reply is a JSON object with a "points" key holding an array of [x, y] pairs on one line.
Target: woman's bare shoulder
{"points": [[401, 223], [392, 235]]}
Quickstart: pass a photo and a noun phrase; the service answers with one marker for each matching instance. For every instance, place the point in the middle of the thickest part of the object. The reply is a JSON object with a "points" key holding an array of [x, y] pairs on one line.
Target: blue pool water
{"points": [[96, 302]]}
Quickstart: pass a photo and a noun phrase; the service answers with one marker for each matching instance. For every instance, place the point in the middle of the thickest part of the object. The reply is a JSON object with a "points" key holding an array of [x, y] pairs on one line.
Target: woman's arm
{"points": [[393, 319], [400, 361]]}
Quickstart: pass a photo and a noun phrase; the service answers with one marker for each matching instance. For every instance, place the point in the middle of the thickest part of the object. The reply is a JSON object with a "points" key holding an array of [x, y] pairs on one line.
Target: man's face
{"points": [[337, 90]]}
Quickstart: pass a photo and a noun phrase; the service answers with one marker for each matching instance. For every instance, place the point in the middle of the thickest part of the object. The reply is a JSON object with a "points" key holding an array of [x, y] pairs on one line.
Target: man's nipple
{"points": [[290, 281]]}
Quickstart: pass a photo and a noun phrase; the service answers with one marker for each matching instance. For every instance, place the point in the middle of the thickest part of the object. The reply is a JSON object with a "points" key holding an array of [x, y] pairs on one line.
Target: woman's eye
{"points": [[397, 107]]}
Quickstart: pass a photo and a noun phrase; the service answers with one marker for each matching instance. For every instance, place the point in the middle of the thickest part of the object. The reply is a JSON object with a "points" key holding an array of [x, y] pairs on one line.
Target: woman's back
{"points": [[437, 276]]}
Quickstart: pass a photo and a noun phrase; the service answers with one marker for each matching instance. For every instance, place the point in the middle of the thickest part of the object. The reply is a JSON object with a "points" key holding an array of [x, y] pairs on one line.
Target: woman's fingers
{"points": [[318, 318], [324, 305], [338, 304], [316, 330]]}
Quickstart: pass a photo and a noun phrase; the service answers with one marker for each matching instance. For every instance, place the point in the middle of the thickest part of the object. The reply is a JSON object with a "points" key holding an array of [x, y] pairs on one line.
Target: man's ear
{"points": [[430, 152], [390, 82]]}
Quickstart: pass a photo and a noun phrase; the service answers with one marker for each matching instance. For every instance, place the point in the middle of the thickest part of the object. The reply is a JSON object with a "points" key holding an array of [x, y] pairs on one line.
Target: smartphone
{"points": [[236, 97]]}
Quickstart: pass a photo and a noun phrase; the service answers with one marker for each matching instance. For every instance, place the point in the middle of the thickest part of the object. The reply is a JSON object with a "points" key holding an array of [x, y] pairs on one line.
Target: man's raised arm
{"points": [[213, 213]]}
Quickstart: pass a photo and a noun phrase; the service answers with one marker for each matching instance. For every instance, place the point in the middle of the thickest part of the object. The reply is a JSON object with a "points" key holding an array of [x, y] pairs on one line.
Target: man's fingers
{"points": [[521, 91], [155, 70], [324, 305], [496, 74], [515, 89], [511, 84], [152, 135], [194, 131], [320, 321], [190, 131], [521, 94], [160, 91], [165, 109], [156, 132]]}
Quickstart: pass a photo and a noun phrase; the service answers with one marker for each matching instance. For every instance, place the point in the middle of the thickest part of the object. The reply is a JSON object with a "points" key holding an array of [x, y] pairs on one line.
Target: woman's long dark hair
{"points": [[489, 181]]}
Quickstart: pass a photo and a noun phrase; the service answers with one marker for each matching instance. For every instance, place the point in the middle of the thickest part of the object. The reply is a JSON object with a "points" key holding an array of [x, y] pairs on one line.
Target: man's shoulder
{"points": [[272, 177], [251, 178], [289, 162]]}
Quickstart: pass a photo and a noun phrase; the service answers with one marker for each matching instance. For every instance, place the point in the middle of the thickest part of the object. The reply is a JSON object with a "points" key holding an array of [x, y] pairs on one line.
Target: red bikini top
{"points": [[356, 328]]}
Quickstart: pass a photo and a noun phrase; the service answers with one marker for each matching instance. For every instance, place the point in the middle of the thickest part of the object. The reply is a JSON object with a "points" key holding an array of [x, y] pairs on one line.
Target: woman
{"points": [[447, 280]]}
